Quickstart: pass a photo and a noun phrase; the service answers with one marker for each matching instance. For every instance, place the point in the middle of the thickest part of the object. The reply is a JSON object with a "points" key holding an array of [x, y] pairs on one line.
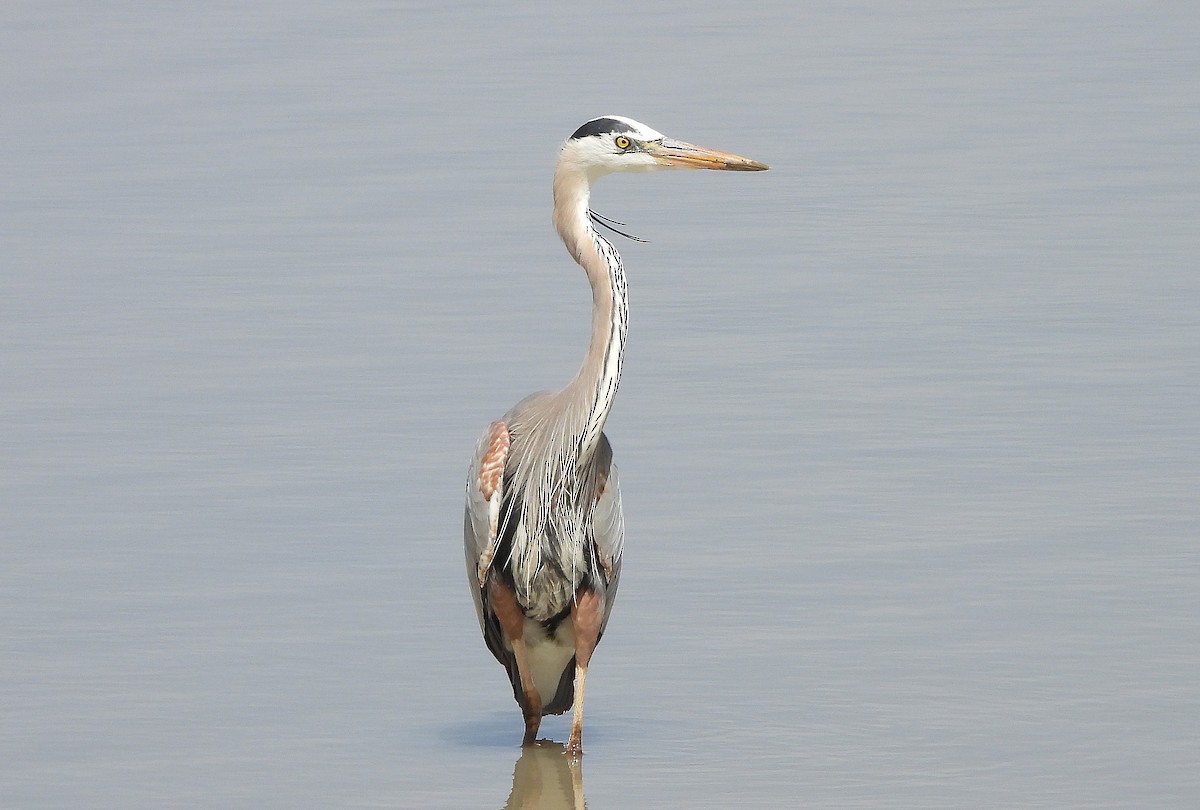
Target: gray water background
{"points": [[909, 432]]}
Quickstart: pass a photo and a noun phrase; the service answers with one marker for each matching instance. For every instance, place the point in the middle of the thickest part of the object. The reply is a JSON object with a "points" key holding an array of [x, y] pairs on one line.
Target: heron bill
{"points": [[670, 152]]}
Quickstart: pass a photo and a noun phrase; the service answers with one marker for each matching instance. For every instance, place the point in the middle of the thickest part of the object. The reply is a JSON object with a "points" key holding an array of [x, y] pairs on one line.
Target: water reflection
{"points": [[544, 778]]}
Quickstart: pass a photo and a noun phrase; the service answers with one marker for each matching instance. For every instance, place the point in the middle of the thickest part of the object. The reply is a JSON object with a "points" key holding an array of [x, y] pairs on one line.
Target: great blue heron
{"points": [[543, 528]]}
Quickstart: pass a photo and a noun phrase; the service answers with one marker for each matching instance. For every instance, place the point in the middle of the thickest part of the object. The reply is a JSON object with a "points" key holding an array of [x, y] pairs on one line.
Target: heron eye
{"points": [[622, 142]]}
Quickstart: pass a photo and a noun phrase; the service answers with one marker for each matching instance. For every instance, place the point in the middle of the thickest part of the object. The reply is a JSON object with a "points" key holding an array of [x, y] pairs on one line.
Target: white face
{"points": [[618, 150]]}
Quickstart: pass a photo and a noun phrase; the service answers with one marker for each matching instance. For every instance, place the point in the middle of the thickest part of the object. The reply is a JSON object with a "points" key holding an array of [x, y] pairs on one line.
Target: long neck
{"points": [[590, 394]]}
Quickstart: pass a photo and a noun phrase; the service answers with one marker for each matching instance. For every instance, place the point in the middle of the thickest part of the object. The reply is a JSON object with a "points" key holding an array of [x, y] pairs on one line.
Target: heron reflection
{"points": [[545, 779]]}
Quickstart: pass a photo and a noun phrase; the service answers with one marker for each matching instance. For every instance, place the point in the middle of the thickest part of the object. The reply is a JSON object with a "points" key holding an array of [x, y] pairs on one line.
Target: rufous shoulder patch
{"points": [[491, 466]]}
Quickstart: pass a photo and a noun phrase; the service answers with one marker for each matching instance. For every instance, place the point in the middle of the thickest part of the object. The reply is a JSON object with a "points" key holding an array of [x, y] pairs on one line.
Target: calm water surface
{"points": [[908, 436]]}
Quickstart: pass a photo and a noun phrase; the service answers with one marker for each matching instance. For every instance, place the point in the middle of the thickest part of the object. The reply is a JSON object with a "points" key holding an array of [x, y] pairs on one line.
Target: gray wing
{"points": [[608, 524], [485, 493], [481, 520]]}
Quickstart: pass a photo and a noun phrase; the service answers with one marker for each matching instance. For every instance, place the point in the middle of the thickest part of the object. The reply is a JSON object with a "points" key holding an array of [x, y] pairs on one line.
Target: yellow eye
{"points": [[622, 142]]}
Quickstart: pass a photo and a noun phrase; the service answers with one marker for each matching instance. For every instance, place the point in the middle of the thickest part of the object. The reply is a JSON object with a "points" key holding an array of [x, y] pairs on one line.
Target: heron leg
{"points": [[586, 615], [512, 624]]}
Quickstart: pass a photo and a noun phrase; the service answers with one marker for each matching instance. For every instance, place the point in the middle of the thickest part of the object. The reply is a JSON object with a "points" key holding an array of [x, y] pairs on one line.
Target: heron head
{"points": [[613, 143]]}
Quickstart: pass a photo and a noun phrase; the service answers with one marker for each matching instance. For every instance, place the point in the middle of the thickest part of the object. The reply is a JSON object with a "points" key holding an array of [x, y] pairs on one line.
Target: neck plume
{"points": [[590, 394]]}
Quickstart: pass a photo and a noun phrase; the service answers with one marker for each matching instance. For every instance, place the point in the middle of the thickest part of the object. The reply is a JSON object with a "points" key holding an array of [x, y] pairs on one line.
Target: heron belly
{"points": [[550, 652]]}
